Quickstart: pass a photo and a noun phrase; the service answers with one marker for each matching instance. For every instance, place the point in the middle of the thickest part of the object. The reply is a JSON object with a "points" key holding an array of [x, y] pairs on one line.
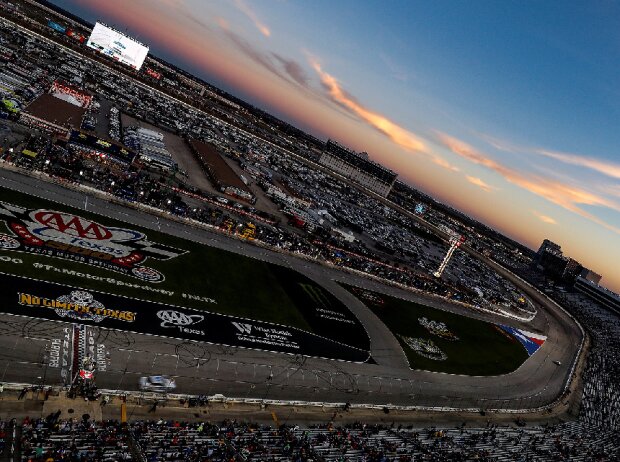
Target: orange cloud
{"points": [[443, 163], [562, 194], [544, 218], [610, 169], [606, 168], [399, 135], [246, 10], [480, 183]]}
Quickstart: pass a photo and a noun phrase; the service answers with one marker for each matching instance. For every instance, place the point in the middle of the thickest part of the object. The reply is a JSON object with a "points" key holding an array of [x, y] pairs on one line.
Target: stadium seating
{"points": [[73, 440]]}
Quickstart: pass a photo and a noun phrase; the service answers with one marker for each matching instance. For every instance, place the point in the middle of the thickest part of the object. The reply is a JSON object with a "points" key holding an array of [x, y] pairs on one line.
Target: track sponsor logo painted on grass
{"points": [[437, 328], [172, 318], [79, 305], [425, 348], [438, 340], [42, 299], [249, 333], [72, 237], [530, 341]]}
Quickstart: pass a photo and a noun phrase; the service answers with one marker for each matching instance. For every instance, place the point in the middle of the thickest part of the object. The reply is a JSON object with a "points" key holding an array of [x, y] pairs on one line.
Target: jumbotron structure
{"points": [[455, 242]]}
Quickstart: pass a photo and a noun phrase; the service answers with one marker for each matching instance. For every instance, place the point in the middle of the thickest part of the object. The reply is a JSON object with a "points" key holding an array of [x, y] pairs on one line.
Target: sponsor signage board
{"points": [[153, 73], [117, 46], [57, 27], [93, 142], [56, 302]]}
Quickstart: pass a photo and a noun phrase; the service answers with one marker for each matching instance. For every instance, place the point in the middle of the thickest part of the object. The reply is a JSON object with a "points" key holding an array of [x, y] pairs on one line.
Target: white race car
{"points": [[158, 383]]}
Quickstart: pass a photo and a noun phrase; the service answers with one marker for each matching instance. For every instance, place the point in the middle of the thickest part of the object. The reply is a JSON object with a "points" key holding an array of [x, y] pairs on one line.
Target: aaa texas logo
{"points": [[71, 237]]}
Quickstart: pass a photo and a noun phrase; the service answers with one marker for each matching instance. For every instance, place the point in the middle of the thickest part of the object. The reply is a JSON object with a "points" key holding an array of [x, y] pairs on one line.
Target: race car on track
{"points": [[157, 383]]}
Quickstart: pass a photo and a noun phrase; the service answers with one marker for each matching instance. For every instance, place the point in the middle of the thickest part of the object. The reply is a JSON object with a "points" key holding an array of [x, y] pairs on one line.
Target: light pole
{"points": [[455, 242]]}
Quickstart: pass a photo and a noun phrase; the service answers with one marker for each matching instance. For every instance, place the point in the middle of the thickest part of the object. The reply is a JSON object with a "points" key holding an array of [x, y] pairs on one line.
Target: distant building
{"points": [[357, 167], [548, 246], [571, 270], [221, 174], [560, 267], [590, 275], [604, 297], [553, 263]]}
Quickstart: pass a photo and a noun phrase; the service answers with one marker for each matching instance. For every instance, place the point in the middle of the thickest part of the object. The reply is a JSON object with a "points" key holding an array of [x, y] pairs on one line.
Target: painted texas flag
{"points": [[531, 342]]}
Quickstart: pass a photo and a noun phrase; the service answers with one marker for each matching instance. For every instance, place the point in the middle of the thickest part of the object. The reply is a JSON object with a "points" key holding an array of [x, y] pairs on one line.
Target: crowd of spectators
{"points": [[51, 439], [592, 437], [177, 441]]}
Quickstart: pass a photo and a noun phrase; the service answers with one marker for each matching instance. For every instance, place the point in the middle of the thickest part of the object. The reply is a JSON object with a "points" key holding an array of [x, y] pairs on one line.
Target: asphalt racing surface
{"points": [[41, 351]]}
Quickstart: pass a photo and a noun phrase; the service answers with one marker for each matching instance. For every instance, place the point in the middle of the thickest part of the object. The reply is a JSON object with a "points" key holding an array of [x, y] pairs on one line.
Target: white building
{"points": [[357, 167]]}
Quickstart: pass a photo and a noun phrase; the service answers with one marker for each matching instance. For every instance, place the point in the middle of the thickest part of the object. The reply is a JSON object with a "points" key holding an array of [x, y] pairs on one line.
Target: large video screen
{"points": [[117, 46]]}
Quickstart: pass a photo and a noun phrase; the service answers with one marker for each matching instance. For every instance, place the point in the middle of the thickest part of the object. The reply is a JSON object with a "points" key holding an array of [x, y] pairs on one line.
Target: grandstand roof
{"points": [[52, 109], [220, 170], [360, 161]]}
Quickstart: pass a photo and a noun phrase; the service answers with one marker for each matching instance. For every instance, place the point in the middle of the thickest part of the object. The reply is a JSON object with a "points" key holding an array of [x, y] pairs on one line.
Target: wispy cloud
{"points": [[565, 195], [480, 183], [248, 49], [438, 160], [614, 190], [293, 69], [399, 135], [499, 144], [280, 66], [246, 10], [544, 218], [396, 70], [606, 168]]}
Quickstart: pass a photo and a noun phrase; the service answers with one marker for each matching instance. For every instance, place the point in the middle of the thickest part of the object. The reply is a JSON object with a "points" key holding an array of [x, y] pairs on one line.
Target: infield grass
{"points": [[482, 348], [241, 286]]}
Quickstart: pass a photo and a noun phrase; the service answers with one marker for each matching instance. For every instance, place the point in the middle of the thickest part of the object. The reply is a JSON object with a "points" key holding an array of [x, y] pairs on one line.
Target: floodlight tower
{"points": [[455, 242]]}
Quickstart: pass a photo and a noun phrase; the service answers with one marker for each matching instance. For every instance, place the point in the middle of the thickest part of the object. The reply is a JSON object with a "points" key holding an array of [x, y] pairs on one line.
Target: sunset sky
{"points": [[509, 111]]}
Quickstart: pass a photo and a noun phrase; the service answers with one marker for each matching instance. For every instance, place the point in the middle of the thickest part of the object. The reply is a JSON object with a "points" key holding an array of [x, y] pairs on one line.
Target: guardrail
{"points": [[217, 398]]}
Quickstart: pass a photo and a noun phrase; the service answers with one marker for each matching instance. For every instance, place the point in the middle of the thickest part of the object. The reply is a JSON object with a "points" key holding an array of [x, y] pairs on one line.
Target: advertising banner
{"points": [[93, 142], [117, 46], [57, 302], [57, 27], [152, 73]]}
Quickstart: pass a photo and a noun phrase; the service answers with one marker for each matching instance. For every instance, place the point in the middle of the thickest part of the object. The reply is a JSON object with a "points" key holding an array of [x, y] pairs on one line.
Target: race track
{"points": [[33, 350]]}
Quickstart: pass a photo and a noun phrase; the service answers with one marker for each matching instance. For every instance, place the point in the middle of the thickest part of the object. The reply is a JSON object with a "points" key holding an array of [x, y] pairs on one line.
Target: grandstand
{"points": [[175, 432], [150, 144], [357, 167]]}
